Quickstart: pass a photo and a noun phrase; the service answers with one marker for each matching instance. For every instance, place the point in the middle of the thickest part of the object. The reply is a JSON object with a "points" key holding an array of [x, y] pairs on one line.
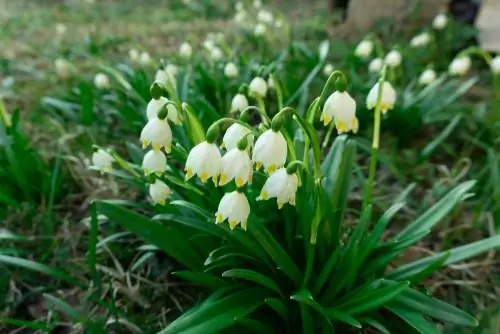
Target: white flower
{"points": [[265, 16], [393, 58], [240, 16], [258, 87], [281, 185], [63, 68], [157, 133], [376, 65], [159, 192], [185, 50], [145, 59], [259, 29], [427, 77], [341, 107], [216, 53], [154, 162], [101, 81], [134, 55], [239, 102], [154, 107], [102, 161], [167, 75], [278, 23], [231, 71], [495, 65], [257, 4], [328, 69], [61, 29], [233, 135], [239, 6], [388, 97], [205, 161], [364, 48], [237, 166], [235, 208], [460, 65], [421, 39], [440, 21], [270, 151], [208, 44]]}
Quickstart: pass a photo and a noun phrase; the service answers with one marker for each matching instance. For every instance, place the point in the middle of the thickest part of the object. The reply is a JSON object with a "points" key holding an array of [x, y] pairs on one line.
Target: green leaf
{"points": [[200, 278], [454, 255], [196, 132], [432, 267], [5, 235], [278, 306], [414, 319], [253, 276], [167, 238], [255, 326], [207, 227], [305, 297], [92, 243], [375, 324], [87, 103], [437, 212], [217, 314], [431, 146], [41, 325], [74, 314]]}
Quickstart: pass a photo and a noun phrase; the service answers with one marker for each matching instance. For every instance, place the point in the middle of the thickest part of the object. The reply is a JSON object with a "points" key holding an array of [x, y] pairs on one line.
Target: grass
{"points": [[115, 274]]}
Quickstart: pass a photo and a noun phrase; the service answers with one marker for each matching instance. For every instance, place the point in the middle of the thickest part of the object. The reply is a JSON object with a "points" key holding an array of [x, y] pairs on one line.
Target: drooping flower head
{"points": [[154, 162], [270, 151], [428, 76], [157, 133], [239, 102], [393, 58], [234, 134], [460, 66], [101, 81], [205, 161], [258, 87], [159, 192], [102, 161], [376, 65], [282, 186], [235, 208], [440, 21], [237, 166], [341, 107], [156, 105], [231, 70], [388, 97], [364, 49]]}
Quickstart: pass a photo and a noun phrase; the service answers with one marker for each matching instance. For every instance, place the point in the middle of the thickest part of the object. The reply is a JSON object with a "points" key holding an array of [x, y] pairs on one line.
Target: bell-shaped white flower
{"points": [[460, 65], [278, 23], [231, 70], [237, 166], [167, 75], [157, 133], [154, 162], [102, 161], [239, 102], [257, 4], [259, 29], [185, 50], [134, 55], [159, 192], [270, 151], [495, 65], [64, 69], [145, 59], [101, 81], [428, 76], [420, 40], [376, 65], [240, 17], [216, 53], [233, 135], [265, 16], [388, 97], [205, 161], [239, 6], [258, 87], [154, 106], [235, 208], [364, 49], [341, 107], [282, 186], [393, 58], [440, 21], [328, 69]]}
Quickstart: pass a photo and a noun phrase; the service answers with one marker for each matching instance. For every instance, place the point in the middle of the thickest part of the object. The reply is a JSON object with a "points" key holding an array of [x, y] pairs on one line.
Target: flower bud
{"points": [[101, 81], [364, 49], [63, 68], [328, 69], [428, 76], [231, 71], [460, 66], [376, 65], [258, 87], [420, 40], [159, 192], [393, 58], [440, 21]]}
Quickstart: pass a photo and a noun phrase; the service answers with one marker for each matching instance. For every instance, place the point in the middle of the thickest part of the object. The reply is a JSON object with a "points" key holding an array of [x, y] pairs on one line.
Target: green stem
{"points": [[328, 135], [262, 111], [245, 111], [279, 92], [226, 120], [473, 50], [4, 116]]}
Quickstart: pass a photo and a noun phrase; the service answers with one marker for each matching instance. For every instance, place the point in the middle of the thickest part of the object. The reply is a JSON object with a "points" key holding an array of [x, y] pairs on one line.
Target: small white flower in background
{"points": [[259, 29], [265, 16], [157, 133], [495, 65], [208, 44], [231, 70], [440, 21], [233, 135], [167, 75], [237, 166], [154, 107], [427, 77], [216, 53], [240, 16], [134, 55], [185, 50], [270, 151], [64, 69], [101, 81], [159, 192], [388, 97], [341, 107], [257, 4], [239, 6], [61, 29], [205, 161], [154, 162], [145, 59], [278, 23], [281, 185], [258, 87], [328, 69], [376, 65], [460, 66], [420, 40], [364, 49], [393, 58], [239, 102], [235, 208], [102, 161]]}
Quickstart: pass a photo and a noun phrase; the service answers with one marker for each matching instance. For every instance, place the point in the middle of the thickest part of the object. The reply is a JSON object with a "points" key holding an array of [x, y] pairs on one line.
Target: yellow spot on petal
{"points": [[258, 164], [341, 126], [232, 224], [239, 182], [280, 205], [168, 148], [271, 169], [214, 179], [244, 225], [326, 120], [145, 143], [218, 218], [223, 179], [222, 145], [355, 125], [189, 173], [203, 176], [264, 195], [161, 201], [156, 146]]}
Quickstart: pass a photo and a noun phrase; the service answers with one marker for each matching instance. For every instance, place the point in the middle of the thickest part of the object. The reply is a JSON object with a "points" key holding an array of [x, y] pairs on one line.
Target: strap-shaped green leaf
{"points": [[414, 319], [253, 276]]}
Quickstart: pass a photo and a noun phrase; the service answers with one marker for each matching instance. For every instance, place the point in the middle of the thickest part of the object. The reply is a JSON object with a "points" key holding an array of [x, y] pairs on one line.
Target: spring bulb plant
{"points": [[257, 209]]}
